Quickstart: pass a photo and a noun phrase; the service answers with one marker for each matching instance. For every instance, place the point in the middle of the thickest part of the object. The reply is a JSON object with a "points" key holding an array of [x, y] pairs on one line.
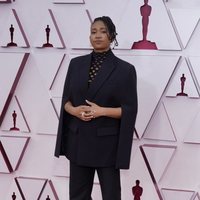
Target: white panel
{"points": [[61, 167], [58, 84], [150, 89], [62, 187], [48, 65], [81, 41], [16, 154], [193, 132], [179, 194], [160, 127], [3, 166], [181, 112], [183, 172], [159, 158], [195, 62], [56, 102], [48, 120], [191, 15], [31, 187]]}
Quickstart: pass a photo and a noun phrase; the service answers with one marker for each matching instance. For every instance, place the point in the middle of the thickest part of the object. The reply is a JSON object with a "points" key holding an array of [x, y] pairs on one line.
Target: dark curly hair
{"points": [[110, 26]]}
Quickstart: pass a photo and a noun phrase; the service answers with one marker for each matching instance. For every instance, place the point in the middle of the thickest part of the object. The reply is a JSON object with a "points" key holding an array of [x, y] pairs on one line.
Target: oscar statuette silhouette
{"points": [[48, 198], [182, 79], [145, 11], [14, 196], [137, 190], [11, 44], [14, 116], [47, 44]]}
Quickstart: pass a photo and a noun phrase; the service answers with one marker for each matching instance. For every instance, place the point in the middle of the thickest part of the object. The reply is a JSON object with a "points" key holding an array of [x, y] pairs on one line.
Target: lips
{"points": [[98, 42]]}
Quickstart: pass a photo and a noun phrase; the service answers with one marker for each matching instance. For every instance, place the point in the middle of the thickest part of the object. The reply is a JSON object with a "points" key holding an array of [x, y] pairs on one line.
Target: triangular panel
{"points": [[195, 63], [13, 68], [48, 120], [170, 194], [185, 32], [48, 65], [159, 157], [30, 188], [5, 166], [181, 112], [159, 30], [15, 119], [129, 177], [160, 127], [49, 192], [16, 154], [179, 85], [193, 132], [49, 34], [150, 89], [56, 103], [19, 37]]}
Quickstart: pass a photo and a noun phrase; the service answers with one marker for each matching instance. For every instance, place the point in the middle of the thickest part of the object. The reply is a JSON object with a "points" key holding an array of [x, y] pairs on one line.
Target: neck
{"points": [[101, 51]]}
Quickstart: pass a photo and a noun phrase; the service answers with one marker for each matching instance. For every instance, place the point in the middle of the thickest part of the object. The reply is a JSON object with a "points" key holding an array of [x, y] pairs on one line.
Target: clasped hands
{"points": [[88, 112]]}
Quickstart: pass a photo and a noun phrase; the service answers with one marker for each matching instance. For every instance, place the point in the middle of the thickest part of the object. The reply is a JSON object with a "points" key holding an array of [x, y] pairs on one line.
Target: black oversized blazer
{"points": [[103, 141]]}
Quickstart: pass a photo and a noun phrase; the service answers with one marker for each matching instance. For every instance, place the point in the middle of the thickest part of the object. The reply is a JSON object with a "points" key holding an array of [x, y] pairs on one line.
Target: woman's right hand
{"points": [[82, 112]]}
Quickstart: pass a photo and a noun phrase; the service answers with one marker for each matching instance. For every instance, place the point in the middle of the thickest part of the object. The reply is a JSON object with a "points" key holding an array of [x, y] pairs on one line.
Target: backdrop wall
{"points": [[166, 144]]}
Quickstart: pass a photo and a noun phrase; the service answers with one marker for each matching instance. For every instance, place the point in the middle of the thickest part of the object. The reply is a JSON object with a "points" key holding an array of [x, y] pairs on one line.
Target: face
{"points": [[99, 37]]}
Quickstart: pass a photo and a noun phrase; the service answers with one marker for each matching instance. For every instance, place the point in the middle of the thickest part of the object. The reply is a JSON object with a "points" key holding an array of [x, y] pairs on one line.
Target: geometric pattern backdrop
{"points": [[165, 153]]}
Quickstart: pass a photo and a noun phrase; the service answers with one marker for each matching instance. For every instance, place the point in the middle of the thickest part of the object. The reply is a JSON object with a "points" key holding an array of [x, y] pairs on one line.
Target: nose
{"points": [[98, 35]]}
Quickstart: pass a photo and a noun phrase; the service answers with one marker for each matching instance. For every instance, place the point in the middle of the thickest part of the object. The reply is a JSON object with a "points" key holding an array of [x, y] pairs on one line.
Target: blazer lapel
{"points": [[104, 72]]}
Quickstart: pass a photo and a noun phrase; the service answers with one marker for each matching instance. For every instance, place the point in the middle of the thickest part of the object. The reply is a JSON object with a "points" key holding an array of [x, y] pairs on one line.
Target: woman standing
{"points": [[97, 117]]}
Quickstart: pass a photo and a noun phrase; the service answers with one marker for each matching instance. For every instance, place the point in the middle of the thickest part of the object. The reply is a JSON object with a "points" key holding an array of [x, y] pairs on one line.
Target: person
{"points": [[137, 190], [97, 117]]}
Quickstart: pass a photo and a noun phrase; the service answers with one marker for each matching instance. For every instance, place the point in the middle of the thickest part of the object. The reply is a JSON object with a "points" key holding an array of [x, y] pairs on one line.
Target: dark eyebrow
{"points": [[103, 28]]}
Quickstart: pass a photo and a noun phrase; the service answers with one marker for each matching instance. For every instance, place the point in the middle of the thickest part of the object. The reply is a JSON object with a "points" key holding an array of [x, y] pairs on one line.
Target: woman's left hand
{"points": [[95, 110]]}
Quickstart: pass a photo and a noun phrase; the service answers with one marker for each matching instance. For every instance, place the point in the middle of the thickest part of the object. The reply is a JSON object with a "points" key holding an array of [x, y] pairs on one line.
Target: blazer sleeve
{"points": [[64, 116], [129, 107]]}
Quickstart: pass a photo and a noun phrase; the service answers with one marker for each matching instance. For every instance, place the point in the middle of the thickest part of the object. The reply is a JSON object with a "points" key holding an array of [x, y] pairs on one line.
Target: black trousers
{"points": [[81, 182]]}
